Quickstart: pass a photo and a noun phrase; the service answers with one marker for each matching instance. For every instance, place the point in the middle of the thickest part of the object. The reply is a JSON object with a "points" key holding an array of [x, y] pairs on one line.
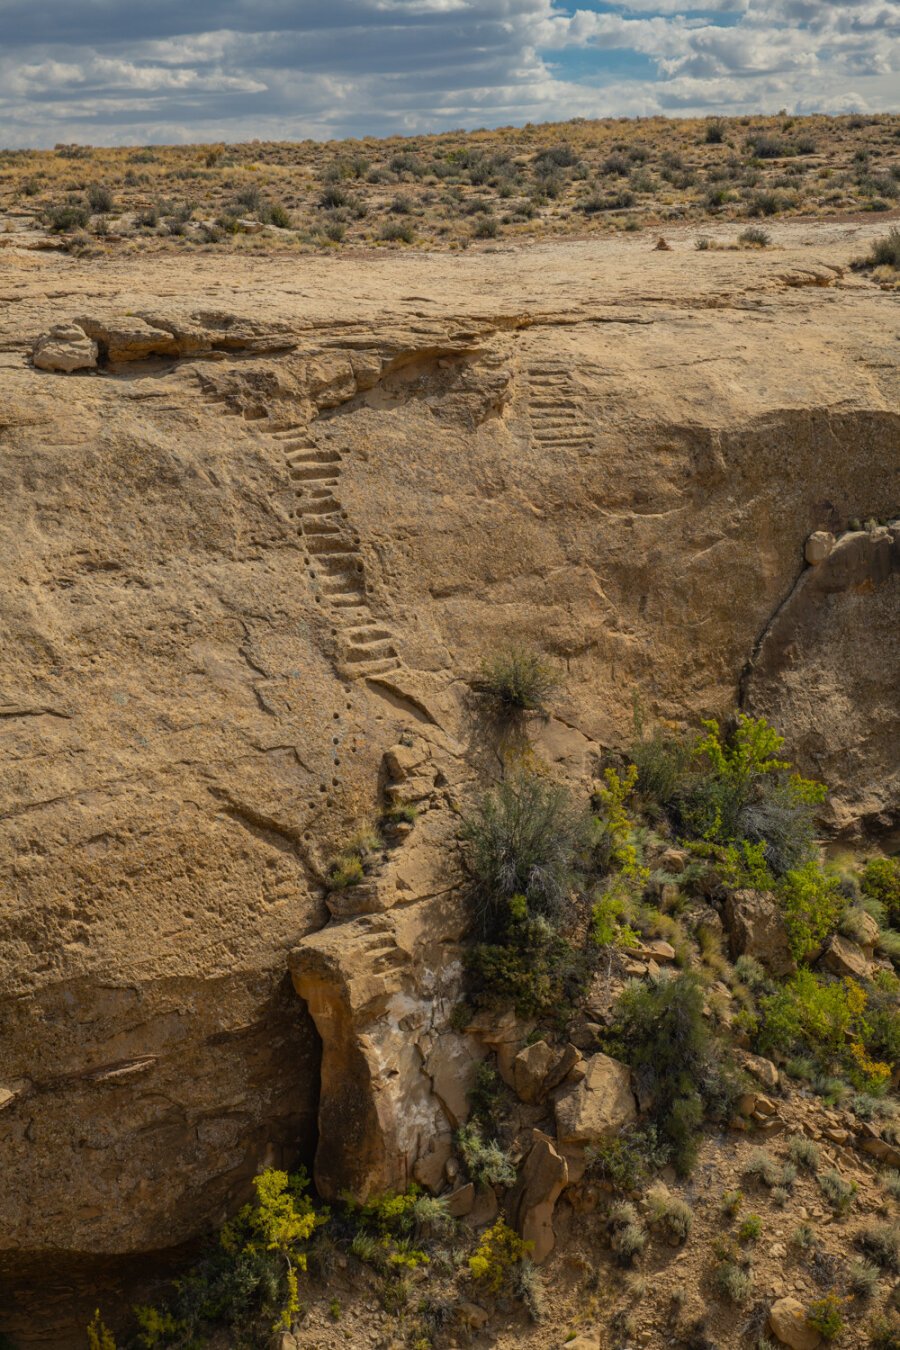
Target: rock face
{"points": [[597, 1108], [827, 671], [756, 928], [542, 1179], [788, 1324], [254, 554]]}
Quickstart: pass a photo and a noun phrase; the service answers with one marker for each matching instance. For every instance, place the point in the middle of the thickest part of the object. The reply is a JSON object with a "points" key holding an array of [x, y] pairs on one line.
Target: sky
{"points": [[126, 72]]}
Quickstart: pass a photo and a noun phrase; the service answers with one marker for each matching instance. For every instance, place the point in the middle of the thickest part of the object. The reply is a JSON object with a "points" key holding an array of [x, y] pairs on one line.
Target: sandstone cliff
{"points": [[266, 540]]}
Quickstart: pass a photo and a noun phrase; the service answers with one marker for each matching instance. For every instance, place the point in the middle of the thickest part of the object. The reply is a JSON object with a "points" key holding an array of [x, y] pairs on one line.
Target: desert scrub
{"points": [[627, 1234], [837, 1191], [484, 1160], [732, 1202], [863, 1277], [99, 1336], [732, 1277], [880, 1240], [885, 252], [354, 861], [660, 1030], [669, 1213], [517, 679], [826, 1316], [763, 1167], [804, 1152], [812, 904], [526, 845], [880, 877], [754, 236], [499, 1251]]}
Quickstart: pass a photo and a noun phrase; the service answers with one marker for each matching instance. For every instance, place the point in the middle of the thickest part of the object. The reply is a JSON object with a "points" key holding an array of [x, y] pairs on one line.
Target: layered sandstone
{"points": [[266, 541]]}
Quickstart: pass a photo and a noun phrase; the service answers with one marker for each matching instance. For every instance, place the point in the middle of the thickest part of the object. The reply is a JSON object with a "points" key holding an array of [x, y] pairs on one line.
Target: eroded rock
{"points": [[542, 1179], [597, 1108], [756, 928], [788, 1324], [65, 348]]}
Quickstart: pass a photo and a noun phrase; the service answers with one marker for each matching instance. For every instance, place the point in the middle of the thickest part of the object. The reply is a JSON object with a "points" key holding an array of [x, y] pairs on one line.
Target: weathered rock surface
{"points": [[542, 1179], [842, 957], [239, 570], [756, 928], [596, 1108], [827, 672]]}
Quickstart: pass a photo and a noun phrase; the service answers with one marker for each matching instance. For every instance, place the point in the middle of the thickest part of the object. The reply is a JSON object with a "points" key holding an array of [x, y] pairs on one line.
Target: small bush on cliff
{"points": [[832, 1022], [659, 1029], [517, 679], [885, 252], [99, 1336], [484, 1160], [526, 846], [493, 1262], [812, 904]]}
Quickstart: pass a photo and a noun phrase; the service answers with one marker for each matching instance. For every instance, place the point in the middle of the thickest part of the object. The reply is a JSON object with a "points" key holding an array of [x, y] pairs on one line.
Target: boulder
{"points": [[585, 1341], [542, 1178], [65, 348], [596, 1108], [461, 1201], [530, 1069], [842, 957], [818, 546], [788, 1324], [471, 1315], [756, 928], [763, 1070], [870, 1141], [673, 860]]}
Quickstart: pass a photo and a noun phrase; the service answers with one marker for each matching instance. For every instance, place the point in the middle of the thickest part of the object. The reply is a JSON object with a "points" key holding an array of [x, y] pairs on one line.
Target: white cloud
{"points": [[235, 69]]}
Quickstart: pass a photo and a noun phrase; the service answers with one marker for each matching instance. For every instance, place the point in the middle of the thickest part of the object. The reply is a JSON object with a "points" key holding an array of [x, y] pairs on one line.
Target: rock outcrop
{"points": [[542, 1179], [827, 671], [756, 928], [596, 1108]]}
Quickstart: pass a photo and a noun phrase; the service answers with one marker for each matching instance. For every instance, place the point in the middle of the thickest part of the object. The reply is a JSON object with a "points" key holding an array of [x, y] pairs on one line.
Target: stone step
{"points": [[311, 454], [370, 651], [308, 473], [331, 544], [320, 506], [349, 600], [321, 525], [364, 633]]}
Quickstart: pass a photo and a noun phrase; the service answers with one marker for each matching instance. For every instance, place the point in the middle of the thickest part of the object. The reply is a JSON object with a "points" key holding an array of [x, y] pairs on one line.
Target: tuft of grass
{"points": [[754, 236], [670, 1213], [881, 1240], [804, 1152], [863, 1277], [838, 1192], [885, 252]]}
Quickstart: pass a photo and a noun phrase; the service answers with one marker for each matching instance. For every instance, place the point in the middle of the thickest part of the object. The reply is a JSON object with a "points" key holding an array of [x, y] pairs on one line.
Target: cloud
{"points": [[157, 70]]}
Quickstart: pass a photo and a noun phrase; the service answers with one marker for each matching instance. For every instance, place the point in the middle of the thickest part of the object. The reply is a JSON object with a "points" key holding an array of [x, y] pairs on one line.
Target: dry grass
{"points": [[453, 189]]}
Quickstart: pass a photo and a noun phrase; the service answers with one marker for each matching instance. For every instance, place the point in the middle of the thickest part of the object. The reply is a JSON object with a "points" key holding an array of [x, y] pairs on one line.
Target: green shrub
{"points": [[750, 1229], [831, 1022], [485, 1161], [660, 1030], [396, 232], [731, 1202], [99, 1336], [890, 1182], [825, 1315], [499, 1251], [880, 877], [532, 969], [627, 1159], [526, 844], [714, 133], [518, 678], [812, 905]]}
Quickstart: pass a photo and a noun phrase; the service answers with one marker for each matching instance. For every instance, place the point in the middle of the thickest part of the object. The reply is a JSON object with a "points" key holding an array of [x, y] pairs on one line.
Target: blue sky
{"points": [[106, 72]]}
